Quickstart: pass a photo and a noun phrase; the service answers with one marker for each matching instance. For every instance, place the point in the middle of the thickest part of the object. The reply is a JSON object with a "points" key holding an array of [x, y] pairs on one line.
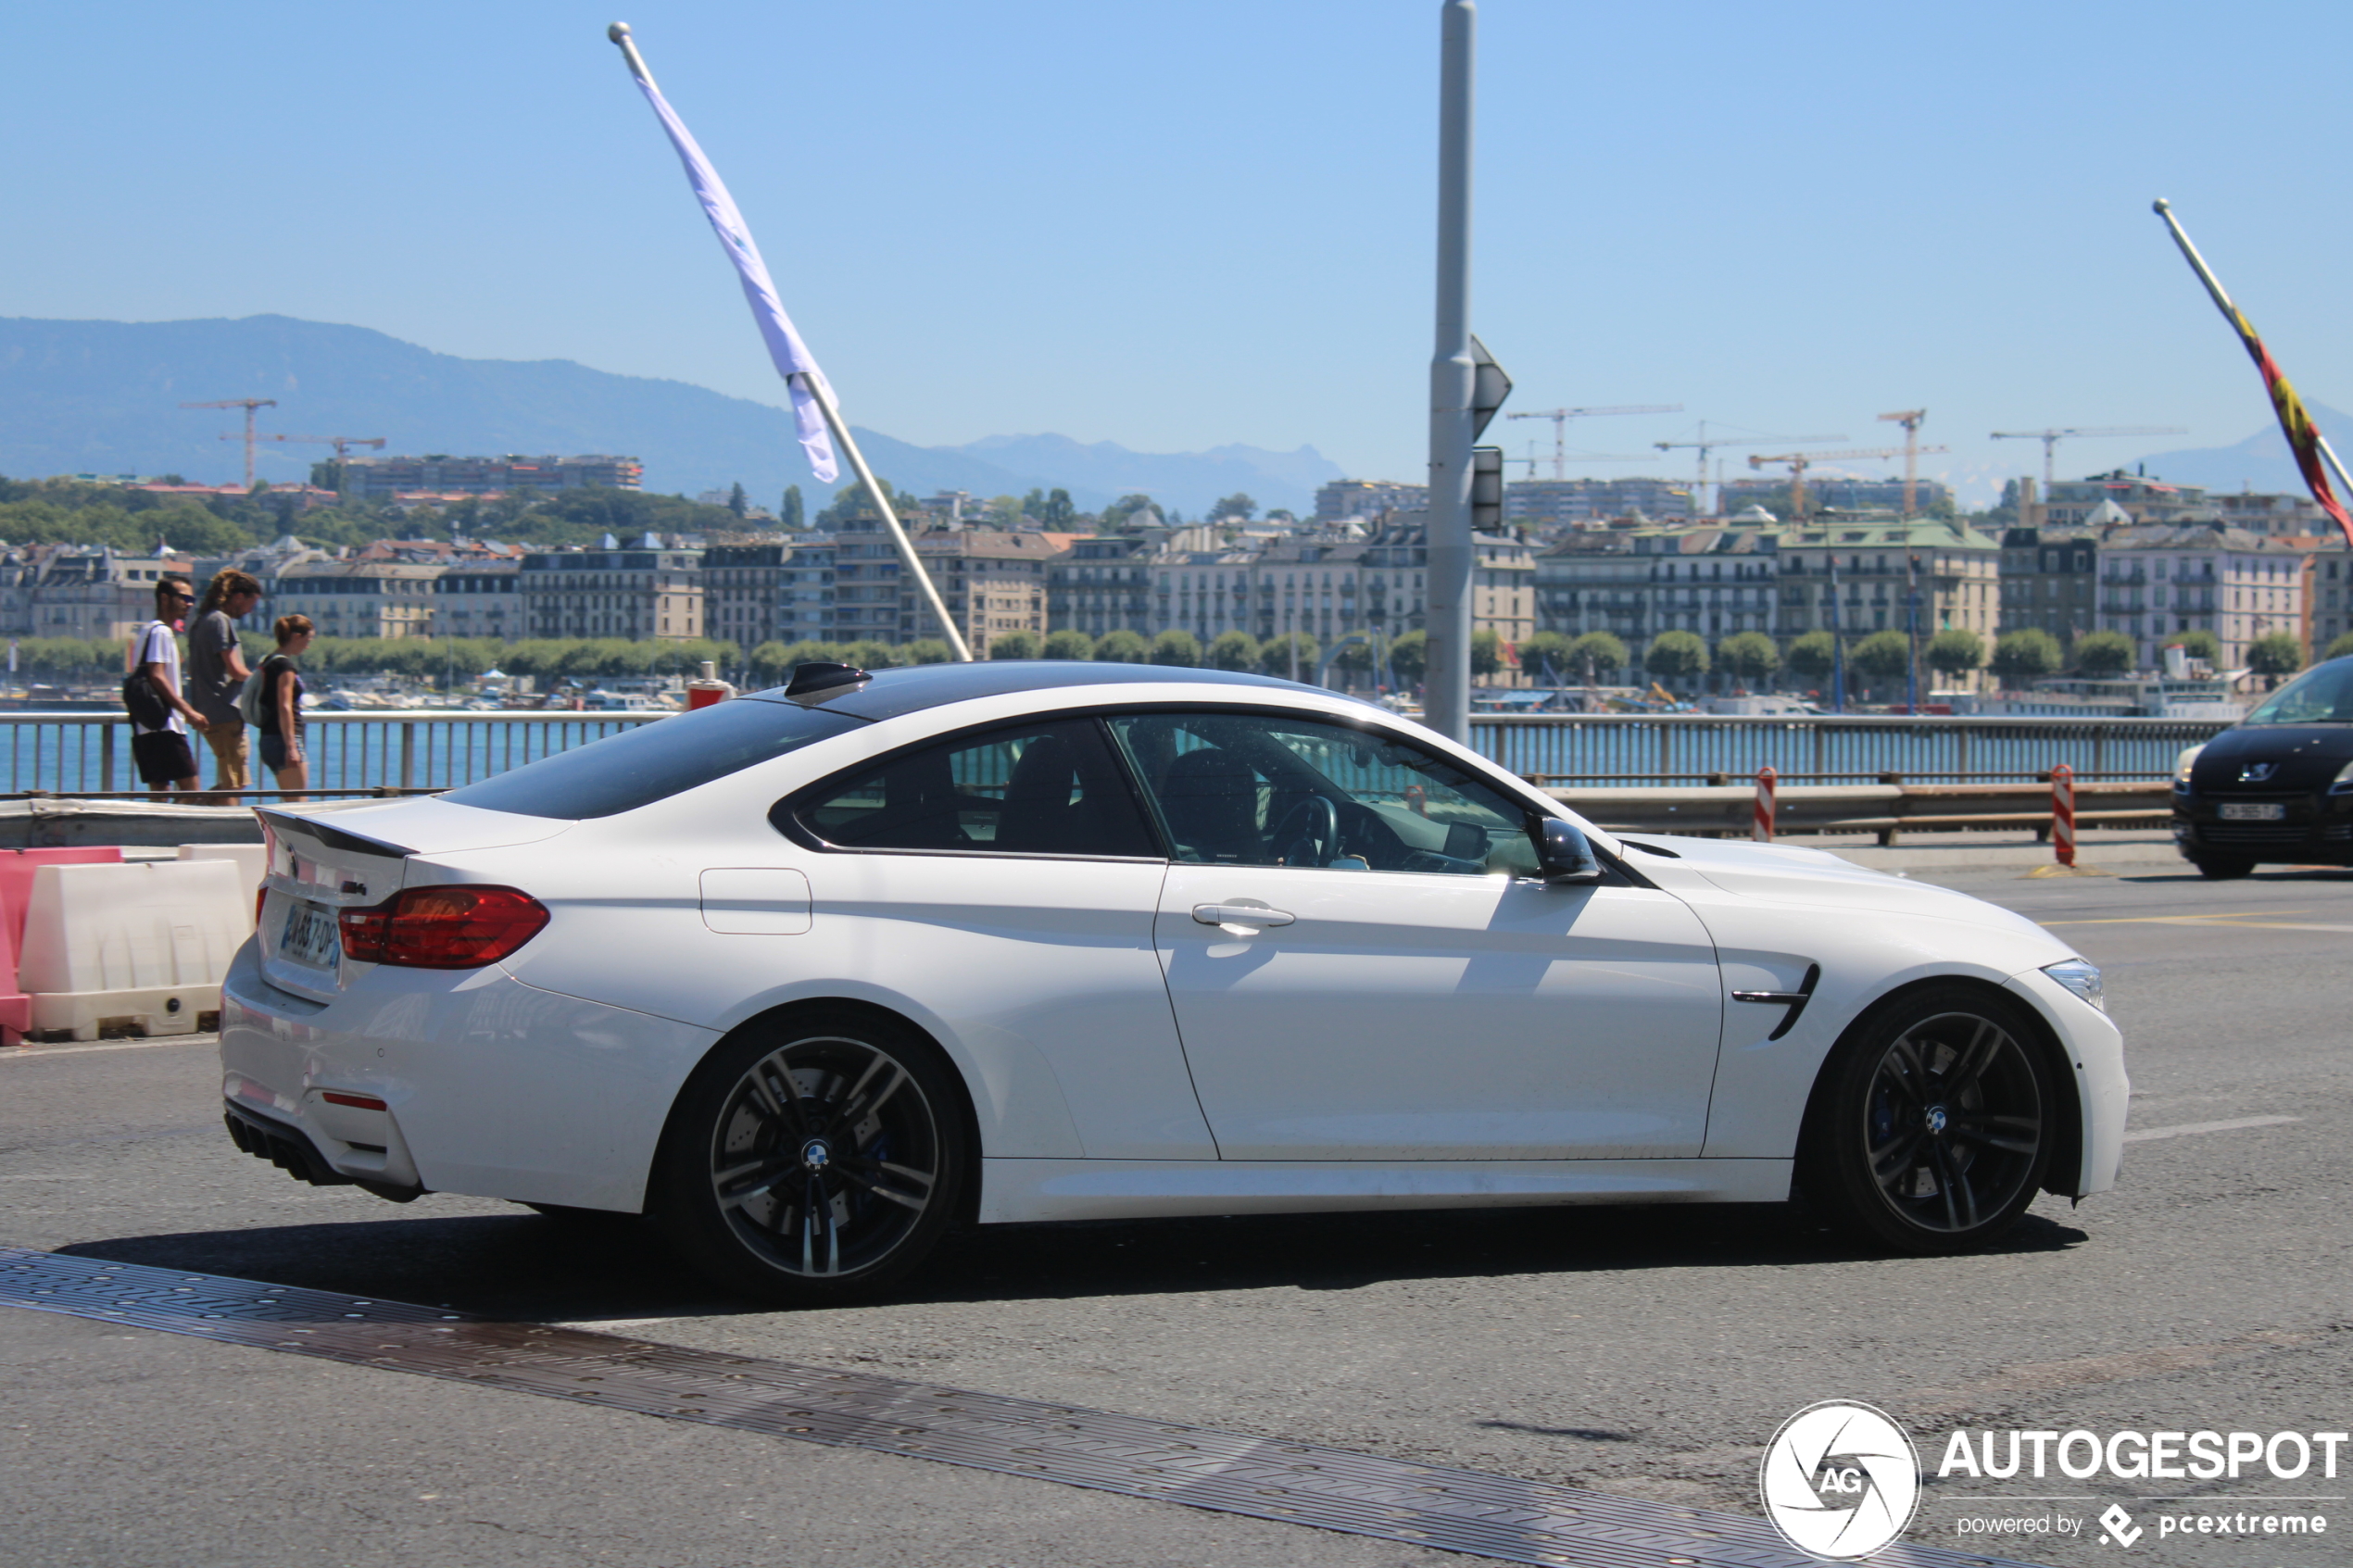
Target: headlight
{"points": [[2343, 780], [2182, 766], [2081, 978]]}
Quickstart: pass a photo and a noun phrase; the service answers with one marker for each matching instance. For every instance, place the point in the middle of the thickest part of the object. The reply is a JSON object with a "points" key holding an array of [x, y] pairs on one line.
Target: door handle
{"points": [[1240, 914]]}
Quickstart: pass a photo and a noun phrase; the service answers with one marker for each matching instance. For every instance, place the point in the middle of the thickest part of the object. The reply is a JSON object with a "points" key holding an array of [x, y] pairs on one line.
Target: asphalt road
{"points": [[1650, 1352]]}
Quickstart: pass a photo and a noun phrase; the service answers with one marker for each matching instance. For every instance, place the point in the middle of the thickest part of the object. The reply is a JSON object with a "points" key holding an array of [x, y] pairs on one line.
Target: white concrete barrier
{"points": [[134, 950], [252, 862]]}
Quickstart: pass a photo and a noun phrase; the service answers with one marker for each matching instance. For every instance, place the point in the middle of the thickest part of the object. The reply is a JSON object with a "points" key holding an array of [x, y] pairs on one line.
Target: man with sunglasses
{"points": [[162, 755]]}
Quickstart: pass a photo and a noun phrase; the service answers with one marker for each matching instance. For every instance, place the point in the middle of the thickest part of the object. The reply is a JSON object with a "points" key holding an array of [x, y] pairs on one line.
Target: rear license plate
{"points": [[2254, 812], [310, 936]]}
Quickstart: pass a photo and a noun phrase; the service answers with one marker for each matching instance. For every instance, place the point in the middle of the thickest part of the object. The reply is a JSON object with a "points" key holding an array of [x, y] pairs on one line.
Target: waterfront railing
{"points": [[90, 753]]}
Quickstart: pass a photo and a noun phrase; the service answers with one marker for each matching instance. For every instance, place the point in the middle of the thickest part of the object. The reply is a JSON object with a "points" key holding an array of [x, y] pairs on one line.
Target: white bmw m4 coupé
{"points": [[810, 975]]}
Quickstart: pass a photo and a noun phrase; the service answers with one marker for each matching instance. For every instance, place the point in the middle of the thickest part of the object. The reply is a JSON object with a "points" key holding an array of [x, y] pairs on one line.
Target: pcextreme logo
{"points": [[1840, 1480]]}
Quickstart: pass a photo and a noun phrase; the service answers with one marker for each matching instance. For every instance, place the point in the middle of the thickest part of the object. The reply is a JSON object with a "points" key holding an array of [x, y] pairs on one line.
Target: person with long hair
{"points": [[217, 673], [281, 750]]}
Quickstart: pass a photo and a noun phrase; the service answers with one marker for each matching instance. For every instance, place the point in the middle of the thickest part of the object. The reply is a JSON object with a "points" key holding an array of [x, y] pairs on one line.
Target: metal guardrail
{"points": [[1644, 749], [72, 753], [1884, 811], [66, 753]]}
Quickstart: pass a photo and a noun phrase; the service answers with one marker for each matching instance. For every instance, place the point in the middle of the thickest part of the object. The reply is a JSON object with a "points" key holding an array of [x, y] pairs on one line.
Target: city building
{"points": [[2328, 592], [647, 592], [2047, 577], [1580, 503], [2279, 516], [386, 477], [805, 590], [478, 599], [745, 593], [2158, 581], [2132, 499], [1635, 583], [1331, 585], [1098, 585], [1879, 565], [866, 586], [93, 591], [357, 598], [993, 582], [1835, 492], [1367, 500]]}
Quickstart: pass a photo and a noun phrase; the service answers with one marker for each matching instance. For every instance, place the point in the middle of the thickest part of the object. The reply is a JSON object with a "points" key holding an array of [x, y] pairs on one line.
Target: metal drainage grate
{"points": [[1430, 1505]]}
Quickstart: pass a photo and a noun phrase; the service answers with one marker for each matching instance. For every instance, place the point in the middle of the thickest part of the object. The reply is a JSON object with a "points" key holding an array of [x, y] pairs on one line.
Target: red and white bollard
{"points": [[2063, 814], [1766, 780], [708, 688]]}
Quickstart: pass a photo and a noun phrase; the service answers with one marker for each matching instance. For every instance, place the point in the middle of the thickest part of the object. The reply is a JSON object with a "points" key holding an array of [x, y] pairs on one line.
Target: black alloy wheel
{"points": [[814, 1162], [1935, 1125]]}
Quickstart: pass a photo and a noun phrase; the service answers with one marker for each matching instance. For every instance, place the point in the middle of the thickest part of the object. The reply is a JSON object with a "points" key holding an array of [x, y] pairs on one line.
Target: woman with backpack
{"points": [[278, 704]]}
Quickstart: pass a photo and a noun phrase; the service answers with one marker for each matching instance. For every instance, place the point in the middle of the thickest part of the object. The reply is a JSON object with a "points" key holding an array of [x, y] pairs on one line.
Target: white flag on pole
{"points": [[791, 356]]}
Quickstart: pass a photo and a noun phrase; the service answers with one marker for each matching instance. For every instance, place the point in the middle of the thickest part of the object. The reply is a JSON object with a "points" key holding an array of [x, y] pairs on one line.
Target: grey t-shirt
{"points": [[209, 689]]}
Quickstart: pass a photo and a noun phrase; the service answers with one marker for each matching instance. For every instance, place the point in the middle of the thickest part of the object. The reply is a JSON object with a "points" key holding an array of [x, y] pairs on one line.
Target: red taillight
{"points": [[361, 1102], [442, 927]]}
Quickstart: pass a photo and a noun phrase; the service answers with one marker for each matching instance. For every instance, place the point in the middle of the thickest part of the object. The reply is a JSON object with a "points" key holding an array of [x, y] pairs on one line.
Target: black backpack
{"points": [[147, 710], [139, 699]]}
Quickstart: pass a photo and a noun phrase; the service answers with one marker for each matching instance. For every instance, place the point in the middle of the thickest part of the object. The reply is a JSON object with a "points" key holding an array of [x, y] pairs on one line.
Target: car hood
{"points": [[1786, 874], [2302, 757]]}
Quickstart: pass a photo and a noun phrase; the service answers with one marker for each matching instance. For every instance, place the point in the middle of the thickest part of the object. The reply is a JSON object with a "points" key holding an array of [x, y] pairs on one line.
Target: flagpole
{"points": [[814, 389], [847, 444], [2164, 210]]}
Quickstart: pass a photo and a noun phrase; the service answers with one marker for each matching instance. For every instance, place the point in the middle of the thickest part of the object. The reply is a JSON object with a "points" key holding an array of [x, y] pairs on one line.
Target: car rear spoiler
{"points": [[288, 826]]}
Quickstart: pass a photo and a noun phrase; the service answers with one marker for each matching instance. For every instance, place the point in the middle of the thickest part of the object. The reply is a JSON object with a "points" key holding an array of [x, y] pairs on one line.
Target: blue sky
{"points": [[1177, 225]]}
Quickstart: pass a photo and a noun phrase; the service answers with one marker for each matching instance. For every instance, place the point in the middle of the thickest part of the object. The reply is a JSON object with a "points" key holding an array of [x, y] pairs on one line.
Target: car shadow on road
{"points": [[530, 1267]]}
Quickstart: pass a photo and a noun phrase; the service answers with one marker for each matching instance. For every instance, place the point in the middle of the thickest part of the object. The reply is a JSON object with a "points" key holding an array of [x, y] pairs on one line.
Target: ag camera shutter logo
{"points": [[1840, 1480]]}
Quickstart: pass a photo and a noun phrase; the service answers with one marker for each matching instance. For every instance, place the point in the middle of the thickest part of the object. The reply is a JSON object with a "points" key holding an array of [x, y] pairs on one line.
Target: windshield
{"points": [[654, 762], [2318, 696]]}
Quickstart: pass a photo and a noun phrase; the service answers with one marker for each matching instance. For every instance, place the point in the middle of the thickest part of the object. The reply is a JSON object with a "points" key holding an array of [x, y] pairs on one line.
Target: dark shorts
{"points": [[163, 757], [273, 751]]}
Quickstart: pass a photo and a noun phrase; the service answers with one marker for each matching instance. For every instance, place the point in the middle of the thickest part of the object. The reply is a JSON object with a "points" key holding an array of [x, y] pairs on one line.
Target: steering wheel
{"points": [[1308, 834]]}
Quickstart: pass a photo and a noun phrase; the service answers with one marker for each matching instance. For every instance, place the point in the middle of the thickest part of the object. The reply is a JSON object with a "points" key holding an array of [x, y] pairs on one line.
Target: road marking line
{"points": [[2177, 920], [2187, 1129], [2226, 922], [26, 1053]]}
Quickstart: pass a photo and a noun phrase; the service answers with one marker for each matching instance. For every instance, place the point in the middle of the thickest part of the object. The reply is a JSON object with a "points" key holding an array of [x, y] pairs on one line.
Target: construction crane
{"points": [[1560, 418], [248, 405], [1800, 461], [1910, 419], [1558, 458], [2051, 438], [1704, 446], [341, 443]]}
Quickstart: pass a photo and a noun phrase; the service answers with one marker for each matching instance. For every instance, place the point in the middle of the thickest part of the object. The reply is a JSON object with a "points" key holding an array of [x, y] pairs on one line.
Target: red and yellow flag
{"points": [[2303, 436]]}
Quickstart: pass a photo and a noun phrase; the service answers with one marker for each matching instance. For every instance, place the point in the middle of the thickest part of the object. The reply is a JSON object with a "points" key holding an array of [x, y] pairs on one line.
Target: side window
{"points": [[1050, 789], [1254, 789]]}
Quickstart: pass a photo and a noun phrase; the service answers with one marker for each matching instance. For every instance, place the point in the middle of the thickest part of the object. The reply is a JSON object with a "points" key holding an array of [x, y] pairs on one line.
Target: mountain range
{"points": [[2260, 462], [105, 397]]}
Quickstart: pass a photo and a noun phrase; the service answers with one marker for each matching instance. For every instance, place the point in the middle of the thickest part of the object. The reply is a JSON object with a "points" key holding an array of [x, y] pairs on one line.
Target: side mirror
{"points": [[1565, 857]]}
